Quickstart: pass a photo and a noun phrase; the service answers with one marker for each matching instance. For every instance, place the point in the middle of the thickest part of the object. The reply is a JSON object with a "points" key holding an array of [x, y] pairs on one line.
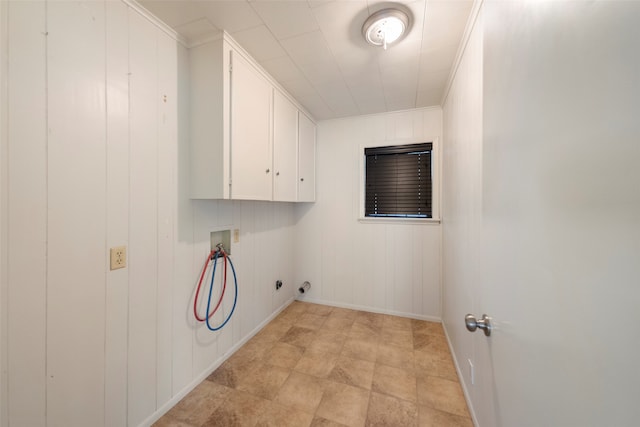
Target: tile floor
{"points": [[315, 365]]}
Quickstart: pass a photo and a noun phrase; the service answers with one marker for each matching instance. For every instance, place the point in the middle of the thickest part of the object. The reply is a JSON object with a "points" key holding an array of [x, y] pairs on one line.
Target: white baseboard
{"points": [[467, 396], [370, 309]]}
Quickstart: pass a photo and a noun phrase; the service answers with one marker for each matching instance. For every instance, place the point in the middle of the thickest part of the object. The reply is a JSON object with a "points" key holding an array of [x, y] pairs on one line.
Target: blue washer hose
{"points": [[235, 297]]}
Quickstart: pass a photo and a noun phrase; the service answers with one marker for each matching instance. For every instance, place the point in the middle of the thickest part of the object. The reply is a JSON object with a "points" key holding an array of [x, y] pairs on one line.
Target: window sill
{"points": [[421, 221]]}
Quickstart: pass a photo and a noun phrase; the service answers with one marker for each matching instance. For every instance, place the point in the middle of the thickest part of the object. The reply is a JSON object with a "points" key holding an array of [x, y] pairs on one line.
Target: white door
{"points": [[250, 132], [285, 148], [560, 232], [306, 159]]}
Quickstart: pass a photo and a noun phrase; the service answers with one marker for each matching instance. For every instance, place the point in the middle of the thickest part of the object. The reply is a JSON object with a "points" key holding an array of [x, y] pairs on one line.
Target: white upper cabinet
{"points": [[285, 148], [250, 132], [306, 159], [245, 134], [210, 120]]}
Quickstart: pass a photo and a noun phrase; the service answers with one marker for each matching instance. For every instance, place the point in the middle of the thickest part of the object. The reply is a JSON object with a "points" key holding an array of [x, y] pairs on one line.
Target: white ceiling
{"points": [[315, 49]]}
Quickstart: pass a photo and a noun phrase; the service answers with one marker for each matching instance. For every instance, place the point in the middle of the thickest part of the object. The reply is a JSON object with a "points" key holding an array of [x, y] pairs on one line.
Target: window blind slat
{"points": [[398, 181]]}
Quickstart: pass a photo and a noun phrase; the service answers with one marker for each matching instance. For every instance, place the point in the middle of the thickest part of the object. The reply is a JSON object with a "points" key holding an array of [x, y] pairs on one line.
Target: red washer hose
{"points": [[211, 256]]}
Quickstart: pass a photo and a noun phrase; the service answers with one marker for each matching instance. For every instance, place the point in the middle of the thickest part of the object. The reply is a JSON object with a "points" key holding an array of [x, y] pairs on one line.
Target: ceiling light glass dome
{"points": [[385, 27]]}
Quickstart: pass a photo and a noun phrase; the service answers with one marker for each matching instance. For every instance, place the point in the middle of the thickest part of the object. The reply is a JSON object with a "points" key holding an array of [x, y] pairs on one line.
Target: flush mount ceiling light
{"points": [[385, 27]]}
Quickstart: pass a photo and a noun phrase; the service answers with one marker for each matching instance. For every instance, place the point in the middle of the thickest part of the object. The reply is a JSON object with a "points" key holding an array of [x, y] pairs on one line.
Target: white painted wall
{"points": [[552, 230], [26, 215], [3, 216], [97, 156], [392, 268], [462, 210], [74, 212]]}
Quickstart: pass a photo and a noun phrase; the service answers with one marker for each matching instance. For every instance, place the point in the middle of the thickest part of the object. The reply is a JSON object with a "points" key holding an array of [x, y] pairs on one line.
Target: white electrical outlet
{"points": [[118, 257], [472, 375], [236, 235]]}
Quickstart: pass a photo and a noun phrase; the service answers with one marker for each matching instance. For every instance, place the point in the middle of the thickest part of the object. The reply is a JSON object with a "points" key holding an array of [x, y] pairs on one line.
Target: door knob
{"points": [[473, 324]]}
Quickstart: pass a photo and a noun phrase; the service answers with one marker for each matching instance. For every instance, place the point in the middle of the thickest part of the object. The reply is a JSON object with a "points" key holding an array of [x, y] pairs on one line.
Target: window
{"points": [[398, 181]]}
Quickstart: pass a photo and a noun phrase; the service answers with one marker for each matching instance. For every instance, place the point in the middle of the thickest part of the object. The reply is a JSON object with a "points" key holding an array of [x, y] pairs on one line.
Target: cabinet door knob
{"points": [[301, 179], [267, 171], [277, 173]]}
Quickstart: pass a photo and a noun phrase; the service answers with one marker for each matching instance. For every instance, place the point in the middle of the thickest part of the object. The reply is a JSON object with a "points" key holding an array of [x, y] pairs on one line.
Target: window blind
{"points": [[398, 181]]}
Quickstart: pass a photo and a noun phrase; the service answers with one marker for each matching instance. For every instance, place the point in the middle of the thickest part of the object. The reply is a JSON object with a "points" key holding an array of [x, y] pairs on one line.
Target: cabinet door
{"points": [[306, 159], [285, 148], [250, 132]]}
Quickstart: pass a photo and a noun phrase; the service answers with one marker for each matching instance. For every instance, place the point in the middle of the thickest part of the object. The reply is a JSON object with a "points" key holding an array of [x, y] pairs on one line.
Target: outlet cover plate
{"points": [[118, 257]]}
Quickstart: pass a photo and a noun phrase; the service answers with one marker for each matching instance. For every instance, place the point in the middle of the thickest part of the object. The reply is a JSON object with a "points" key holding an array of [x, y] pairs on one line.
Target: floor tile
{"points": [[337, 323], [168, 421], [255, 349], [276, 415], [345, 313], [323, 422], [360, 349], [284, 355], [196, 407], [239, 410], [442, 394], [398, 323], [301, 392], [296, 307], [310, 321], [298, 336], [429, 417], [355, 372], [321, 310], [344, 404], [317, 365], [274, 330], [435, 365], [395, 356], [327, 343], [364, 330], [326, 333], [398, 338], [232, 372], [389, 411], [291, 313], [289, 318], [425, 327], [436, 344], [373, 319], [395, 382], [266, 381]]}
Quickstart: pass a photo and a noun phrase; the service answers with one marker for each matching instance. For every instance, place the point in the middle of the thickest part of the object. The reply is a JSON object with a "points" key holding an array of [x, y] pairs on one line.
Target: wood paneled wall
{"points": [[392, 267], [462, 208], [97, 146]]}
